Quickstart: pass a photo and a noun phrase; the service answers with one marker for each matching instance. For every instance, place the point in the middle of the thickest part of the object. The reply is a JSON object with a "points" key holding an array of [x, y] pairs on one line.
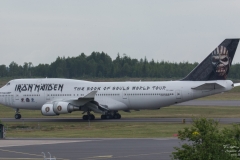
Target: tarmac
{"points": [[88, 149]]}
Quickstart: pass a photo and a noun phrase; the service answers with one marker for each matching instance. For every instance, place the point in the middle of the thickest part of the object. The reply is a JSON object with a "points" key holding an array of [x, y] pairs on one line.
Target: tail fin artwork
{"points": [[217, 65]]}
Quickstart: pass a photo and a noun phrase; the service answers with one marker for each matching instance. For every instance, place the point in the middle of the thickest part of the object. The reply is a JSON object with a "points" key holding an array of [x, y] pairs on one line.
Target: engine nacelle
{"points": [[56, 108], [64, 107], [47, 110]]}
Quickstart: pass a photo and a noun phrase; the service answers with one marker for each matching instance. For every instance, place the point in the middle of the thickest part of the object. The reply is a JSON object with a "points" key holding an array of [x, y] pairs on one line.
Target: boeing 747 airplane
{"points": [[60, 96]]}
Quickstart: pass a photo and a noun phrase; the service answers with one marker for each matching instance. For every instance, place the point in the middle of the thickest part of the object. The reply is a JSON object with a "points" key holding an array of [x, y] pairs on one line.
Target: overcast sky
{"points": [[170, 30]]}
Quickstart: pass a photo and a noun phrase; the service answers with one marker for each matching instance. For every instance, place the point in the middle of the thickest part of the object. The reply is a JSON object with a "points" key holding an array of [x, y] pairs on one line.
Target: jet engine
{"points": [[57, 108], [47, 110]]}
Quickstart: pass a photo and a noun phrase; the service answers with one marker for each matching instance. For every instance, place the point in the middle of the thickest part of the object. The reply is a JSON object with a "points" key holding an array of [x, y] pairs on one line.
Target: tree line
{"points": [[101, 65]]}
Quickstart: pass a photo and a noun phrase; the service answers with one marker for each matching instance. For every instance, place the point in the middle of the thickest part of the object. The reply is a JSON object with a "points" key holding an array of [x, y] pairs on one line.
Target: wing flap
{"points": [[208, 86]]}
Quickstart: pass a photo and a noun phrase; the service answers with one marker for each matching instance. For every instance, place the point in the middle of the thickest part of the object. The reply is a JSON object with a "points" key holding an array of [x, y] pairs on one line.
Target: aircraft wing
{"points": [[208, 86], [79, 101], [90, 95]]}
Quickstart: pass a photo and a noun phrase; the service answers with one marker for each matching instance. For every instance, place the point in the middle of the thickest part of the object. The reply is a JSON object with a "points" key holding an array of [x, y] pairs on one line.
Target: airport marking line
{"points": [[21, 158], [12, 143], [4, 150], [127, 156], [25, 153]]}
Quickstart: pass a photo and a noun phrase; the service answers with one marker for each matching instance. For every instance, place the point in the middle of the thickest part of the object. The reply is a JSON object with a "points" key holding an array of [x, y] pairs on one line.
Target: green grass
{"points": [[95, 130]]}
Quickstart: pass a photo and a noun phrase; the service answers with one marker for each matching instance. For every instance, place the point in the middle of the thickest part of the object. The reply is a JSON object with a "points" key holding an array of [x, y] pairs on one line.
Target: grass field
{"points": [[94, 130]]}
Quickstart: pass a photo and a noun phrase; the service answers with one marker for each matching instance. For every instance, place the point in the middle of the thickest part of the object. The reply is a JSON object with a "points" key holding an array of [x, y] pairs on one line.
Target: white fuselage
{"points": [[34, 93]]}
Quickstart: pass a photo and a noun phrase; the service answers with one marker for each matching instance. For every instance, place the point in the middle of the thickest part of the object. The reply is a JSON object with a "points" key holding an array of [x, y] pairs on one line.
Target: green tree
{"points": [[13, 69], [3, 71], [233, 137], [205, 142]]}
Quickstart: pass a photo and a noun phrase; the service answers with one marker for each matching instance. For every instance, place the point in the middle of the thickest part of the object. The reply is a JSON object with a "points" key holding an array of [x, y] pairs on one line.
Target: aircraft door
{"points": [[5, 99], [12, 99], [16, 97], [178, 94], [125, 98], [124, 94], [47, 96]]}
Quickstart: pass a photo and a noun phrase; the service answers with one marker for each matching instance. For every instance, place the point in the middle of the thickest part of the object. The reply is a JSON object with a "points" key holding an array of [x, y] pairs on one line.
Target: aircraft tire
{"points": [[85, 117], [92, 117], [109, 116], [103, 116], [18, 116], [119, 116], [115, 116]]}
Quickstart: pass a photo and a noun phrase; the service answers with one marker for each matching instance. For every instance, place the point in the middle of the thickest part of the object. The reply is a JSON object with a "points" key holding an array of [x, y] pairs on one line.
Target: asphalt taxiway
{"points": [[88, 149]]}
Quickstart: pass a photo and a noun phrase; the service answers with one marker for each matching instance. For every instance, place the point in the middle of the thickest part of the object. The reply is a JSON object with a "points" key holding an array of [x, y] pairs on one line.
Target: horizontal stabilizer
{"points": [[208, 86], [236, 84]]}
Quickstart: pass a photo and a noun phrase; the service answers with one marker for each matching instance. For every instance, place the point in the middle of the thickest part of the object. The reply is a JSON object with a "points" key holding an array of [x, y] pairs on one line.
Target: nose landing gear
{"points": [[17, 114]]}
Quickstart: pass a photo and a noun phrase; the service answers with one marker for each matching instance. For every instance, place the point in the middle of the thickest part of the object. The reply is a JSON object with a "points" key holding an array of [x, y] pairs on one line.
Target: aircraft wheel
{"points": [[119, 116], [109, 116], [18, 116], [103, 116], [92, 117], [115, 116], [85, 117]]}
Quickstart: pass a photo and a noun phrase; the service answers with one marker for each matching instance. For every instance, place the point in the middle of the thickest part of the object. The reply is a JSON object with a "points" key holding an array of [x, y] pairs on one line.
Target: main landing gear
{"points": [[89, 116], [17, 114], [111, 116]]}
